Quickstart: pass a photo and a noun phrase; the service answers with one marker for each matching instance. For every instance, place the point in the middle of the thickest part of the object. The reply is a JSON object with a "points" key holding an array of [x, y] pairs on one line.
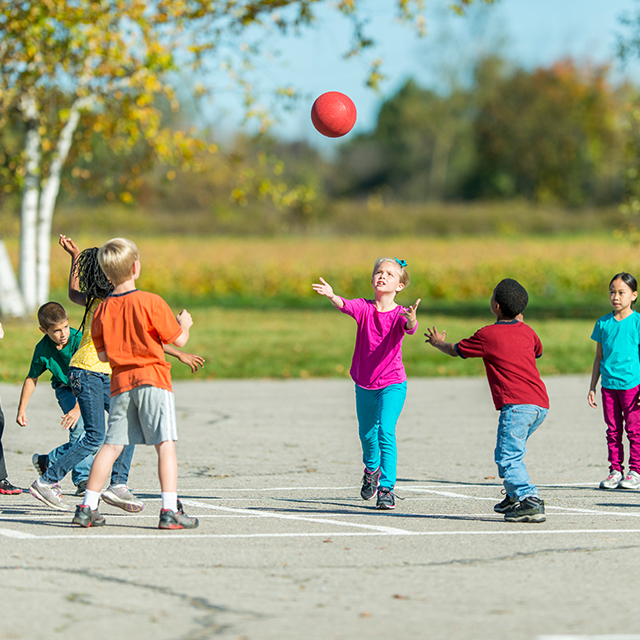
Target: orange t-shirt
{"points": [[131, 328]]}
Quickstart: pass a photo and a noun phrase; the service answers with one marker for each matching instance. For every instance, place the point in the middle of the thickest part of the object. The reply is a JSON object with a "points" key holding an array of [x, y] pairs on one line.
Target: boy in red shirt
{"points": [[509, 349], [128, 330]]}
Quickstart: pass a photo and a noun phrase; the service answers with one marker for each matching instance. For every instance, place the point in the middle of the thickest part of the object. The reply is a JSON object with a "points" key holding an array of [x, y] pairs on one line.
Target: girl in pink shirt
{"points": [[377, 370]]}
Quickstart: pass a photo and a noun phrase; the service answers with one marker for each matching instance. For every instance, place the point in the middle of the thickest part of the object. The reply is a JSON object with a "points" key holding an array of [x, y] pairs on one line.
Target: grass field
{"points": [[298, 343], [257, 316]]}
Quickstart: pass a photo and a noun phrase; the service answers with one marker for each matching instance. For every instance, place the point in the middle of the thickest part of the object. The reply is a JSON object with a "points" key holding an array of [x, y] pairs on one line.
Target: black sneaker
{"points": [[81, 488], [85, 517], [528, 510], [505, 505], [385, 499], [370, 483], [39, 463], [8, 489], [176, 519]]}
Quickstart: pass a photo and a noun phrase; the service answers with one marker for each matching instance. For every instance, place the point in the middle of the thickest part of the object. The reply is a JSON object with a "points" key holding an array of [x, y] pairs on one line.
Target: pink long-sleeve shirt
{"points": [[377, 357]]}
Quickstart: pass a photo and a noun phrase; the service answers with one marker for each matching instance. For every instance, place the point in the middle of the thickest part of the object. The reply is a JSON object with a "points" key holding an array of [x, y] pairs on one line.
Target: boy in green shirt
{"points": [[53, 354]]}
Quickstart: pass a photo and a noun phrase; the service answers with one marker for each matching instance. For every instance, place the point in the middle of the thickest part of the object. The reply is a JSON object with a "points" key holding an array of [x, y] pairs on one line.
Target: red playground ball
{"points": [[333, 114]]}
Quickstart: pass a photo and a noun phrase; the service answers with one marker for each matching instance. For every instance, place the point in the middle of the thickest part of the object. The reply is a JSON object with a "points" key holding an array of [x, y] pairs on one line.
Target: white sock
{"points": [[169, 500], [91, 499]]}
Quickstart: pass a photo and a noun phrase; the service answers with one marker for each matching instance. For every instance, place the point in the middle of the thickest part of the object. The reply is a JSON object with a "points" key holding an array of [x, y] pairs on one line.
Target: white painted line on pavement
{"points": [[282, 516], [325, 534]]}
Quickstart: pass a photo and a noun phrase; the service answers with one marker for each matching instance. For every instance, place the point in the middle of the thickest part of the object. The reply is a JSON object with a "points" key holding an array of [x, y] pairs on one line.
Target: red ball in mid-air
{"points": [[333, 114]]}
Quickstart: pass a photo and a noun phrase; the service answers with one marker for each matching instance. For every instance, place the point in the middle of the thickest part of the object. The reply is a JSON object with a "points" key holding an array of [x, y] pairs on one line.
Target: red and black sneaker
{"points": [[86, 517], [176, 519], [8, 489]]}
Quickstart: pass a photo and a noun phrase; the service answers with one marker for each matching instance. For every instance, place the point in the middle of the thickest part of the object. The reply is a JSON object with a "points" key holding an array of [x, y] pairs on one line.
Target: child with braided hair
{"points": [[90, 382]]}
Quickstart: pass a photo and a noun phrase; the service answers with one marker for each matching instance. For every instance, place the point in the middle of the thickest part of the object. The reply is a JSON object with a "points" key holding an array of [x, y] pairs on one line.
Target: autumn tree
{"points": [[71, 70]]}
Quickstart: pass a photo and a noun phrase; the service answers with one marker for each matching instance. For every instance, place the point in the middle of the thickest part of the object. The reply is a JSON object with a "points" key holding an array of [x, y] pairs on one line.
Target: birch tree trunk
{"points": [[29, 212], [11, 302], [48, 200]]}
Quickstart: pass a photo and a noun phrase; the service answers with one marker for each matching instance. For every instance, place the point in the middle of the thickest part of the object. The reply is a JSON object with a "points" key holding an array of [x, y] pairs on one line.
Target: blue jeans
{"points": [[517, 422], [92, 392], [66, 401], [378, 411]]}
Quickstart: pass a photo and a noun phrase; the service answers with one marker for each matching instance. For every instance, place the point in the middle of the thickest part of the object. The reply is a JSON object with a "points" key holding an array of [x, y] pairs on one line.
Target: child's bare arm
{"points": [[192, 360], [437, 340], [410, 313], [186, 322], [325, 289], [595, 376], [75, 295], [70, 420], [28, 388]]}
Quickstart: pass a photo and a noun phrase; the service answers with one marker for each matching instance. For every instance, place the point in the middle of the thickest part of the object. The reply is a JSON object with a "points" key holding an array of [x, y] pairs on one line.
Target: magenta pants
{"points": [[621, 412]]}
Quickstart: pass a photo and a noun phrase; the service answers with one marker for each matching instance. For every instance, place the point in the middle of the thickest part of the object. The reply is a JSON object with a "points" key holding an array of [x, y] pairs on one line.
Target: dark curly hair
{"points": [[91, 279], [511, 296]]}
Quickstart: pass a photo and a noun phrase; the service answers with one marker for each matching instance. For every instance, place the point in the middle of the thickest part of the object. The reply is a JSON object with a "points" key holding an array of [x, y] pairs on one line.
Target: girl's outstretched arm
{"points": [[595, 376], [75, 295], [410, 313], [325, 289], [436, 339]]}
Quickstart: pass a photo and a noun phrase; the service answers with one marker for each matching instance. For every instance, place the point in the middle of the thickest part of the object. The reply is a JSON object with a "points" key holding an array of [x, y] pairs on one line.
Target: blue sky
{"points": [[529, 32]]}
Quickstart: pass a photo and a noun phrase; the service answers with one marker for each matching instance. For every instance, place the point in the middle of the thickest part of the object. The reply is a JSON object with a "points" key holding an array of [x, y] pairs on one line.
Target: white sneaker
{"points": [[631, 481], [118, 495], [612, 481], [50, 494]]}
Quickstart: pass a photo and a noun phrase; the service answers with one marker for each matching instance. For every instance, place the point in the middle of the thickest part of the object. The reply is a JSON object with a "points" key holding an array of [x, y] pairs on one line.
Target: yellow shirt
{"points": [[86, 357]]}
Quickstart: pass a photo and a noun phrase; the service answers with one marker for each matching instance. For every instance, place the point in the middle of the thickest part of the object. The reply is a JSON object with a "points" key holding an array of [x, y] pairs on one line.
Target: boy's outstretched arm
{"points": [[192, 360], [28, 388], [436, 339], [595, 376], [325, 289]]}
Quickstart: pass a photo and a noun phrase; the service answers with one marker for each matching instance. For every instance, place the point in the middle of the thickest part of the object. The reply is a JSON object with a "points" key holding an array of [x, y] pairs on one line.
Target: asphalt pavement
{"points": [[287, 549]]}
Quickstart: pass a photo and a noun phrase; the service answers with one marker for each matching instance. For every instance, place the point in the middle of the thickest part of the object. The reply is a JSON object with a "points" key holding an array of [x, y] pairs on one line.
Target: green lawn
{"points": [[294, 343]]}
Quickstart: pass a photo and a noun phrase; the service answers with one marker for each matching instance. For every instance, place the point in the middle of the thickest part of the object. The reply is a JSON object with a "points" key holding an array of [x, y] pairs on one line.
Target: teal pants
{"points": [[378, 411]]}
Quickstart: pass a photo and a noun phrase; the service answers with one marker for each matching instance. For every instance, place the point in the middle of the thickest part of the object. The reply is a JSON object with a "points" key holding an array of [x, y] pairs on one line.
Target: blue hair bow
{"points": [[402, 263]]}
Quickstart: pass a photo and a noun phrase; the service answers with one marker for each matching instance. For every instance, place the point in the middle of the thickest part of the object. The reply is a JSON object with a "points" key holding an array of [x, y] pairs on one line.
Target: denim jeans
{"points": [[378, 411], [3, 467], [66, 401], [92, 391], [517, 422]]}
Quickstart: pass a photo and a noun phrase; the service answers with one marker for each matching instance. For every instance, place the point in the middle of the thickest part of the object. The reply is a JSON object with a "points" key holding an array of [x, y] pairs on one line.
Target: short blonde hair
{"points": [[116, 258], [404, 274]]}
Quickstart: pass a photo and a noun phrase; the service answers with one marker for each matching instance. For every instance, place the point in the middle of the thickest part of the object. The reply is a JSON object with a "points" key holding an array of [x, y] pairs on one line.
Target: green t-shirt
{"points": [[47, 357]]}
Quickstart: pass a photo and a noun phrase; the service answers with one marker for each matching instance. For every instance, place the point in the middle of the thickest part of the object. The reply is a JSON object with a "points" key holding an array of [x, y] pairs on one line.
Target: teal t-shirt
{"points": [[46, 357], [620, 340]]}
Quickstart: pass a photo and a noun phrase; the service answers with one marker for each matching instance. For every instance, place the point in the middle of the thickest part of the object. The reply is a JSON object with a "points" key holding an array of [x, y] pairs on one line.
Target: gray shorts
{"points": [[143, 415]]}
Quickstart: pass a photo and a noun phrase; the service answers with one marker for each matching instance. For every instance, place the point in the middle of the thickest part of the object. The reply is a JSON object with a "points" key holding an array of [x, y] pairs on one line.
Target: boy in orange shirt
{"points": [[128, 330]]}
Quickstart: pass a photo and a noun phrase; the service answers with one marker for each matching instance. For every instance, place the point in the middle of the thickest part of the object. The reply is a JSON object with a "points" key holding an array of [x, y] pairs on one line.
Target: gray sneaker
{"points": [[50, 494], [612, 481], [630, 481], [118, 495]]}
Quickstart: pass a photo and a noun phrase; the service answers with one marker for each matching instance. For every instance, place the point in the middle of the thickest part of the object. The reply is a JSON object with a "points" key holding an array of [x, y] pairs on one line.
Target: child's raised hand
{"points": [[323, 289], [434, 337], [591, 399], [191, 360], [184, 319], [410, 314], [69, 246]]}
